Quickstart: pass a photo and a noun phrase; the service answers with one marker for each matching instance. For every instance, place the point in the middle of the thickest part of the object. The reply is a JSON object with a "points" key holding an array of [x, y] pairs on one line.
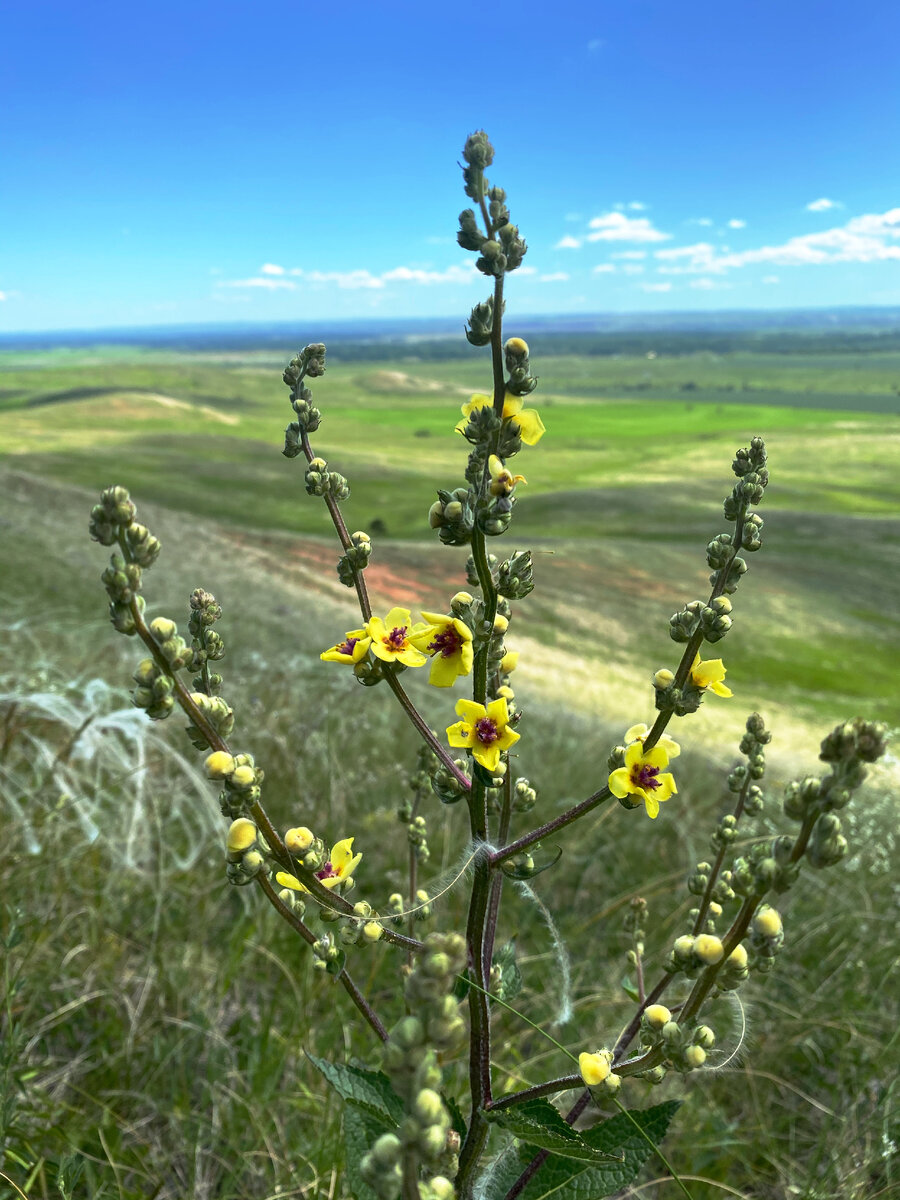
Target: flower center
{"points": [[486, 731], [396, 639], [446, 643], [644, 776], [328, 871], [347, 647]]}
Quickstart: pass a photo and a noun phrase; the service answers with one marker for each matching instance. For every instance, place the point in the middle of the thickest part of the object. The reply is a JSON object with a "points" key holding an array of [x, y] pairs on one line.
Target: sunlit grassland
{"points": [[161, 1016]]}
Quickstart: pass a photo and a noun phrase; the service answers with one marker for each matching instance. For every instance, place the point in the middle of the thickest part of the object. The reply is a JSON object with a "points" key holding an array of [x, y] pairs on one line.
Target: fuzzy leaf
{"points": [[566, 1179], [369, 1089], [538, 1123], [361, 1130], [511, 977]]}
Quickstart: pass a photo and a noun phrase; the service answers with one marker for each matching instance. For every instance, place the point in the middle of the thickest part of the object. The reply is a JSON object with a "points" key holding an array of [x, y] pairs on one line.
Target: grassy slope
{"points": [[165, 1077]]}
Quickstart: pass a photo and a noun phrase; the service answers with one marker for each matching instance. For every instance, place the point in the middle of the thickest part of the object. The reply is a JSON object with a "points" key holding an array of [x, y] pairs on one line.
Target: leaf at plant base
{"points": [[510, 975], [566, 1179], [538, 1123], [361, 1130], [370, 1089]]}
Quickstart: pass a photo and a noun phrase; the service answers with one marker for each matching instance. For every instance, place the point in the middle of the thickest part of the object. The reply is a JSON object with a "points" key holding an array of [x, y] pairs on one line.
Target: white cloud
{"points": [[527, 271], [616, 227], [821, 205], [634, 255], [554, 277], [707, 285], [704, 221], [271, 269], [633, 269], [864, 239], [568, 243], [656, 287], [596, 44], [734, 223], [604, 269], [3, 296], [771, 279], [636, 206], [454, 274], [258, 281]]}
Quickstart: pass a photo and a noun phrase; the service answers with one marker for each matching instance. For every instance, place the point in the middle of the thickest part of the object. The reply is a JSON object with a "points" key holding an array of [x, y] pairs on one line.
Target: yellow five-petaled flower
{"points": [[349, 651], [449, 641], [341, 864], [710, 674], [531, 427], [392, 638], [641, 777], [484, 731]]}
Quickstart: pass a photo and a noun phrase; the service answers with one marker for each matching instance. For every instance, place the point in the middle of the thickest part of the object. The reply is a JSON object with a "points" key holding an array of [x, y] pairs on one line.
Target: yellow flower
{"points": [[351, 650], [484, 731], [340, 866], [449, 641], [594, 1068], [638, 733], [710, 674], [640, 777], [502, 479], [391, 638], [531, 427]]}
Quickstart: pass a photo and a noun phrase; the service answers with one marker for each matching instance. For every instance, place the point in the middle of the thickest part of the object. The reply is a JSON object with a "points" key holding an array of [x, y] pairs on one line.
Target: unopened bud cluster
{"points": [[240, 779], [682, 1047], [246, 852], [309, 362], [355, 558], [320, 481], [207, 645]]}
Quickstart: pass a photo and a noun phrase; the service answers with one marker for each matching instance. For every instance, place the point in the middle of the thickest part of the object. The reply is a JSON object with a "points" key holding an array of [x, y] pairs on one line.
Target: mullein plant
{"points": [[406, 1133]]}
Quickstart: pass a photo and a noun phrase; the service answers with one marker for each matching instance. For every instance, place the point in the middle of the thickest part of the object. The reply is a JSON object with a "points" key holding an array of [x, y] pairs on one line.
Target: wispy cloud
{"points": [[771, 279], [872, 237], [635, 255], [617, 227], [604, 269], [3, 296], [257, 281], [708, 285], [734, 223], [567, 242], [272, 277], [822, 205], [656, 287], [554, 277], [633, 268]]}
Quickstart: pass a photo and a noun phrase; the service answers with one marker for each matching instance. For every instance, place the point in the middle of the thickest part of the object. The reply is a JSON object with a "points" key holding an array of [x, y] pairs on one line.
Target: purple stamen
{"points": [[347, 647], [328, 871], [644, 776], [486, 731], [446, 643], [396, 639]]}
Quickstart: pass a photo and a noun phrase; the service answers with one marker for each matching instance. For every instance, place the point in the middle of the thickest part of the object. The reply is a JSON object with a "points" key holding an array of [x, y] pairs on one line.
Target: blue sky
{"points": [[200, 162]]}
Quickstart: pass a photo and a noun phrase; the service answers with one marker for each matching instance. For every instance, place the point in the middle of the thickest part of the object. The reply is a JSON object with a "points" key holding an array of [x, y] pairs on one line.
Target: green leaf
{"points": [[511, 976], [370, 1089], [538, 1123], [336, 965], [461, 987], [361, 1130], [566, 1179], [629, 989], [457, 1120]]}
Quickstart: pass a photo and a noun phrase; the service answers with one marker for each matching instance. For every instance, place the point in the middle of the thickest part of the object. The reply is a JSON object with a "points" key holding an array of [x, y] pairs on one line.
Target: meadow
{"points": [[155, 1019]]}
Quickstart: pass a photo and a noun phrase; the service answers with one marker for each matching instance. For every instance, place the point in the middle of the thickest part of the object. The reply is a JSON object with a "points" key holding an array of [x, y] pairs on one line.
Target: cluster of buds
{"points": [[515, 576], [683, 1049], [524, 796], [399, 909], [425, 1139], [690, 954], [417, 836], [363, 928], [766, 937], [453, 515], [239, 776], [309, 362], [322, 482], [113, 521], [596, 1071], [520, 381], [445, 784], [481, 318], [713, 620], [246, 852], [635, 923], [750, 467], [500, 247], [206, 643], [355, 558], [154, 690], [326, 955], [122, 581]]}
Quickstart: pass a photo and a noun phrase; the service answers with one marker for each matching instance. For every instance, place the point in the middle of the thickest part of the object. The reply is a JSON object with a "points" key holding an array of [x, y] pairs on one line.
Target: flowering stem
{"points": [[421, 725], [479, 1025], [720, 858], [559, 822], [308, 936], [497, 879]]}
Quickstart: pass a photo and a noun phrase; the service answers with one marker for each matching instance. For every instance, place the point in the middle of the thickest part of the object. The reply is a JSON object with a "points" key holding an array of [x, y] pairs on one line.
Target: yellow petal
{"points": [[636, 733], [411, 657], [512, 406], [289, 881], [341, 853], [670, 746], [666, 788], [508, 738], [375, 628], [498, 712], [619, 782], [720, 689], [470, 710], [444, 671], [530, 426], [634, 754], [466, 657], [495, 466], [397, 618], [651, 804], [488, 756], [656, 757], [509, 661], [460, 734]]}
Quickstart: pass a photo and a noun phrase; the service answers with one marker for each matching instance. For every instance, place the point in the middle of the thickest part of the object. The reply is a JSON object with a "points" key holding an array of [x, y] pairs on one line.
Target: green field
{"points": [[158, 1023]]}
